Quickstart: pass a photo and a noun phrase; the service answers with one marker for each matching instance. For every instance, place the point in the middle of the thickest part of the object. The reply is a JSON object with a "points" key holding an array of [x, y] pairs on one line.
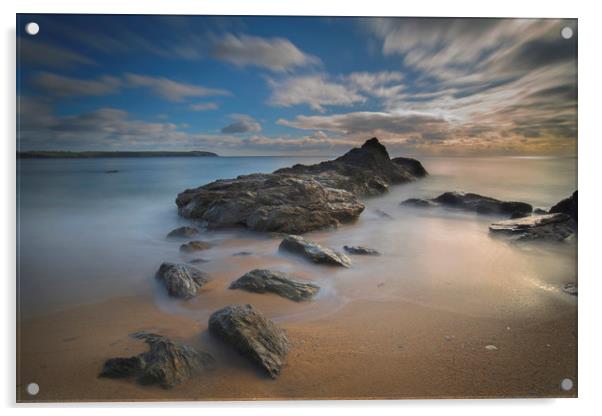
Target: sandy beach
{"points": [[363, 349]]}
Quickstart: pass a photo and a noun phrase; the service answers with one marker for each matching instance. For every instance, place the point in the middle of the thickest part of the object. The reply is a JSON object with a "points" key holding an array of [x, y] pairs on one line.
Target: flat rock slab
{"points": [[181, 280], [314, 251], [482, 204], [252, 335], [193, 246], [167, 363], [183, 232], [548, 227], [282, 284], [361, 250]]}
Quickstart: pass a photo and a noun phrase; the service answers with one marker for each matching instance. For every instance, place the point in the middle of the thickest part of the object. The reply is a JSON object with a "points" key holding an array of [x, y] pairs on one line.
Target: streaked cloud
{"points": [[41, 54], [62, 86], [316, 91], [204, 106], [169, 89], [276, 54]]}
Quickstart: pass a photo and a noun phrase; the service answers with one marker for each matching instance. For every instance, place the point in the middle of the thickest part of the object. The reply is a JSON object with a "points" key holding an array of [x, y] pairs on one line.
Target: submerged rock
{"points": [[112, 171], [361, 250], [549, 227], [181, 280], [539, 211], [383, 214], [314, 251], [282, 284], [300, 198], [252, 335], [567, 206], [183, 232], [193, 246], [418, 202], [570, 288], [242, 253], [482, 204], [167, 363]]}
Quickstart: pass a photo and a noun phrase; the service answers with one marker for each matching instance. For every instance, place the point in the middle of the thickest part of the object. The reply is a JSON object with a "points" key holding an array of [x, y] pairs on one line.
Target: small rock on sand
{"points": [[314, 251], [193, 246], [491, 347]]}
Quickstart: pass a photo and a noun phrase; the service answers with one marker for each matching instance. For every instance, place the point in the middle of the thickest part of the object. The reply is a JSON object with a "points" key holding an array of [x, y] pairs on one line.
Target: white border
{"points": [[590, 345]]}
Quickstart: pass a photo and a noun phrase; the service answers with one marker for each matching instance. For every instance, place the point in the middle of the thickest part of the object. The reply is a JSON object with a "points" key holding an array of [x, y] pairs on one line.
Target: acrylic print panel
{"points": [[230, 208]]}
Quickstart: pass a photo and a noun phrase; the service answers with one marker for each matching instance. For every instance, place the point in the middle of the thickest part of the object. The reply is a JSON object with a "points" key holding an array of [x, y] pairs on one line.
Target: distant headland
{"points": [[43, 154]]}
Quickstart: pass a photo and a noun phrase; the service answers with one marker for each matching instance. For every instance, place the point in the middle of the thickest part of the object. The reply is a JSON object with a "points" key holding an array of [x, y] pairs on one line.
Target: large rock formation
{"points": [[181, 280], [300, 198], [548, 227], [474, 202], [314, 251], [282, 284], [252, 335], [567, 206], [167, 363]]}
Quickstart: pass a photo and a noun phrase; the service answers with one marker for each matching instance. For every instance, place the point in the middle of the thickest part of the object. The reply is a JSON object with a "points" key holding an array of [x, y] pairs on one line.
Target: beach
{"points": [[419, 321]]}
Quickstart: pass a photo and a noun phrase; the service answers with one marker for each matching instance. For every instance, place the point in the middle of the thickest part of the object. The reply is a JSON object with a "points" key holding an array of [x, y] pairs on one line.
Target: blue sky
{"points": [[297, 85]]}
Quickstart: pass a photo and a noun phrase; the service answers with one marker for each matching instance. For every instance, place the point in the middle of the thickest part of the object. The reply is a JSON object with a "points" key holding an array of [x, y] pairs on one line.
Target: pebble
{"points": [[491, 347]]}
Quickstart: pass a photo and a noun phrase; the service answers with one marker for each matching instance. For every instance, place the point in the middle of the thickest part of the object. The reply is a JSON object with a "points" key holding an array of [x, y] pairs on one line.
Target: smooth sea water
{"points": [[85, 235]]}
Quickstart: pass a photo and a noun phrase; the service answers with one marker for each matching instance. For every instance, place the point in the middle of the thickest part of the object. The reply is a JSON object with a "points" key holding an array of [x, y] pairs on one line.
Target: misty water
{"points": [[87, 236]]}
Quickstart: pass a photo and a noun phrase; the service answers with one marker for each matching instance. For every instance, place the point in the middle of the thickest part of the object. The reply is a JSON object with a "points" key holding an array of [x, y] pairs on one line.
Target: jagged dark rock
{"points": [[193, 246], [411, 165], [181, 280], [183, 232], [300, 198], [567, 206], [313, 251], [261, 281], [167, 363], [361, 250], [252, 335], [548, 227]]}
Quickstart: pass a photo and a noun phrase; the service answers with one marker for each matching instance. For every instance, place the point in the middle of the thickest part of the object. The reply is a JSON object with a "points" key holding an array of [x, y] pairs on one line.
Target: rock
{"points": [[112, 171], [491, 347], [567, 206], [419, 203], [550, 227], [183, 232], [198, 260], [539, 211], [518, 214], [167, 363], [297, 199], [314, 251], [361, 250], [282, 284], [411, 165], [181, 280], [383, 214], [252, 335], [570, 288], [243, 253], [193, 246], [482, 204]]}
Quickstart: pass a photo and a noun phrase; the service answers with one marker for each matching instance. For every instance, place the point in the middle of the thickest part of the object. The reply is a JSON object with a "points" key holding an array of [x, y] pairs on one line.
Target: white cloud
{"points": [[314, 90], [276, 54], [171, 90], [242, 124], [39, 53]]}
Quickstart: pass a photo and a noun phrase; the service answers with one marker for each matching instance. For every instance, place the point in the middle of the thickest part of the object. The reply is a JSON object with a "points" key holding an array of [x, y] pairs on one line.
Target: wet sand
{"points": [[363, 349]]}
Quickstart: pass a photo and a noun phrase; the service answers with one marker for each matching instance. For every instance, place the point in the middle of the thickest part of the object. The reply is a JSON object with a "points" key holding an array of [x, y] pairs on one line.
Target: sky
{"points": [[297, 85]]}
